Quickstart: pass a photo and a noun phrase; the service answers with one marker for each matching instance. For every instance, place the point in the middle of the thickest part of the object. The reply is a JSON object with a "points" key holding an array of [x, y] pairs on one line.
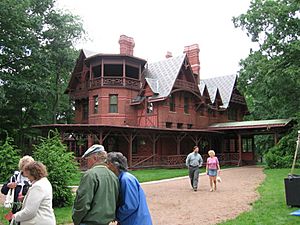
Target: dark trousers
{"points": [[194, 176]]}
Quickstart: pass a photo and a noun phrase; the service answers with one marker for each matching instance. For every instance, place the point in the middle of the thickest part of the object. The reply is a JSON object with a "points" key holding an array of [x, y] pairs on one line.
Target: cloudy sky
{"points": [[158, 26]]}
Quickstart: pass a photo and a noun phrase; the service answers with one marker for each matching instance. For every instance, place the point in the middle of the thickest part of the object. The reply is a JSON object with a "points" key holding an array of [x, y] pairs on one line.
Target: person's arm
{"points": [[83, 200], [207, 165], [200, 161], [130, 198], [187, 161], [8, 185], [33, 201], [218, 166]]}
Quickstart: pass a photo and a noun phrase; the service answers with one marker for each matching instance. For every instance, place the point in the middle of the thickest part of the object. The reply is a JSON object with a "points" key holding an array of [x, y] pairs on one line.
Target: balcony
{"points": [[113, 81]]}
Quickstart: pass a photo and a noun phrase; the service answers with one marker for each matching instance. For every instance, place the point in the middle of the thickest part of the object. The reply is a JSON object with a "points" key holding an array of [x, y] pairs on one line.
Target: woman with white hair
{"points": [[133, 209], [19, 183], [212, 169]]}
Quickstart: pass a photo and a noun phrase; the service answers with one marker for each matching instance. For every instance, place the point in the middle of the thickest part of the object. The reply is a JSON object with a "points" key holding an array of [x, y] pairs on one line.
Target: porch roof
{"points": [[73, 127], [254, 124]]}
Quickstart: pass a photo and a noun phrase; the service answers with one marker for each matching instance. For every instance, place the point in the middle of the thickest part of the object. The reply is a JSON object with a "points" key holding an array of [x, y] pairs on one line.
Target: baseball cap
{"points": [[93, 149]]}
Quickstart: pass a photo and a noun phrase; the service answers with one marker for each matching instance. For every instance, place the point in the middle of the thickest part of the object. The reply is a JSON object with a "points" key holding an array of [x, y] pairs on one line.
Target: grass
{"points": [[271, 208]]}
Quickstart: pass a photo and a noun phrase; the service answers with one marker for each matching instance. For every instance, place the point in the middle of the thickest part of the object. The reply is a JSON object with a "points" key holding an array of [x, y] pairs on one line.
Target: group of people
{"points": [[194, 161], [32, 200], [107, 193]]}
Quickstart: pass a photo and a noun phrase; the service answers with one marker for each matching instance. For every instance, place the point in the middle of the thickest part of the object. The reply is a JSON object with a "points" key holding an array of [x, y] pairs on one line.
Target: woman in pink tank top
{"points": [[212, 169]]}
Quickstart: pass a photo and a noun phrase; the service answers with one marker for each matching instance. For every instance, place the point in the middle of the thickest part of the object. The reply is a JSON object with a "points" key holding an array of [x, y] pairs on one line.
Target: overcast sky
{"points": [[158, 26]]}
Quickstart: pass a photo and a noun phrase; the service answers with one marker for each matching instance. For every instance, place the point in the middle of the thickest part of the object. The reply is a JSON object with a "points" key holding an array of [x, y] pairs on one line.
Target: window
{"points": [[113, 103], [189, 126], [186, 104], [96, 103], [247, 145], [85, 110], [179, 125], [168, 125], [172, 103], [149, 107]]}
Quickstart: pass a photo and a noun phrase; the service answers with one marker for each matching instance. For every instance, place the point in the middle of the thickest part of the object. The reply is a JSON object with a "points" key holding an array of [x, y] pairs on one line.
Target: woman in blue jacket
{"points": [[133, 208]]}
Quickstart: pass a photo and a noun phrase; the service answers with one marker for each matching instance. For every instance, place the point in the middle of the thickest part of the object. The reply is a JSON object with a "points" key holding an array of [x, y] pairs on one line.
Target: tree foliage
{"points": [[36, 58], [270, 76], [9, 159], [60, 165]]}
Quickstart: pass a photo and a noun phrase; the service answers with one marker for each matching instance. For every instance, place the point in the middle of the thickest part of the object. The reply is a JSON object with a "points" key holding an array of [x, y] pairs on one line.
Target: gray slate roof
{"points": [[224, 84], [162, 75], [88, 53]]}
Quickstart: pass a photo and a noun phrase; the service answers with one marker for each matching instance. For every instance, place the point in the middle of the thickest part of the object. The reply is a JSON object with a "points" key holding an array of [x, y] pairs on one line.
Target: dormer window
{"points": [[149, 107]]}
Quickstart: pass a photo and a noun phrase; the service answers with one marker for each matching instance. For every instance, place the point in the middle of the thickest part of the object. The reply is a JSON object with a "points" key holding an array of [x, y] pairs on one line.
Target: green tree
{"points": [[60, 165], [36, 57], [9, 159], [269, 77]]}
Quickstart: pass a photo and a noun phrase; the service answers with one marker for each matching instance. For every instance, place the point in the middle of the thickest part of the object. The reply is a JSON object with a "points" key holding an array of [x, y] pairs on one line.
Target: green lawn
{"points": [[271, 208]]}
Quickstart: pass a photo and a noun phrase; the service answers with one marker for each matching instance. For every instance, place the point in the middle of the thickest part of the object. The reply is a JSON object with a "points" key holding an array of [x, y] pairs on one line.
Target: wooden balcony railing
{"points": [[113, 81]]}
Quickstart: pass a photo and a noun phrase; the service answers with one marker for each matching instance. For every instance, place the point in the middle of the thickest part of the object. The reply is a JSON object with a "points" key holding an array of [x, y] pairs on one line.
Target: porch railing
{"points": [[169, 161]]}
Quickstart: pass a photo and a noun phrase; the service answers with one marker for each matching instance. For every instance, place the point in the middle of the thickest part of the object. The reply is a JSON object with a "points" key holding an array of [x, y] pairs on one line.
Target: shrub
{"points": [[282, 155], [61, 167], [9, 159]]}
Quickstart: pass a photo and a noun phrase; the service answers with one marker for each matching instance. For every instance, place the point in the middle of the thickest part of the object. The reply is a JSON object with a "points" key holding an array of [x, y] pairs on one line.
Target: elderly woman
{"points": [[37, 205], [18, 182], [212, 169], [133, 209]]}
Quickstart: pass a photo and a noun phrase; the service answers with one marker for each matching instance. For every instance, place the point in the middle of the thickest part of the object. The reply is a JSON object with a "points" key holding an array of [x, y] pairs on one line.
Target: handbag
{"points": [[9, 199]]}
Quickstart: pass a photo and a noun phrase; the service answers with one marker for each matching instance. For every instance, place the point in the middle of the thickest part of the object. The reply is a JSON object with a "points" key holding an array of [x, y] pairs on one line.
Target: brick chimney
{"points": [[192, 52], [126, 45], [169, 54]]}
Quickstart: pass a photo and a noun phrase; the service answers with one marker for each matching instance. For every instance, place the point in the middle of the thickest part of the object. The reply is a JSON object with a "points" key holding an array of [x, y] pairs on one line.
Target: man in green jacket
{"points": [[97, 195]]}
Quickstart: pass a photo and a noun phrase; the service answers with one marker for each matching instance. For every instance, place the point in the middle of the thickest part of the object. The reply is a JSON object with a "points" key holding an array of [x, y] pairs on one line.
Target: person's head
{"points": [[211, 153], [195, 149], [25, 160], [96, 154], [35, 171], [117, 162]]}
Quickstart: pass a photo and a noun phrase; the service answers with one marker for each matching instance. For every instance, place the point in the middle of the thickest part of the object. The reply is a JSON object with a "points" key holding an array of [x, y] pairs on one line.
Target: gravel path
{"points": [[173, 202]]}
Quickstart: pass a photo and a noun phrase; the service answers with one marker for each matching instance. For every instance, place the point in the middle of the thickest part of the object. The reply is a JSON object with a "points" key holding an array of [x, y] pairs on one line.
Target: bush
{"points": [[282, 155], [9, 159], [61, 167]]}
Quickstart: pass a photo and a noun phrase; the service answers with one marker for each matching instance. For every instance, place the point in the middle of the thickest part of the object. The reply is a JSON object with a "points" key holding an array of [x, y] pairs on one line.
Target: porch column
{"points": [[130, 151], [275, 138], [90, 140], [240, 149]]}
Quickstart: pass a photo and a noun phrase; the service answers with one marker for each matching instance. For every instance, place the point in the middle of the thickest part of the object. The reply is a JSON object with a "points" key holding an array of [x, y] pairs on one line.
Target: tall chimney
{"points": [[126, 45], [169, 54], [192, 52]]}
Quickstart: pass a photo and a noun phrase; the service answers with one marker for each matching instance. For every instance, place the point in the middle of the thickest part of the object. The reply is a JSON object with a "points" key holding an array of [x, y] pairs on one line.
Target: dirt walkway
{"points": [[175, 203]]}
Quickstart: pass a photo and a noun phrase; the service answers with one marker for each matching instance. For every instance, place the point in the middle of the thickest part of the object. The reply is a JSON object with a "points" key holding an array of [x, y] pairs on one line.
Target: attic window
{"points": [[149, 107]]}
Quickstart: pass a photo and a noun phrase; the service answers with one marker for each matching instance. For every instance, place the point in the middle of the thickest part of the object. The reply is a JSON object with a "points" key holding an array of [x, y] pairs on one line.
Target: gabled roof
{"points": [[224, 84], [250, 124], [162, 75], [88, 53]]}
